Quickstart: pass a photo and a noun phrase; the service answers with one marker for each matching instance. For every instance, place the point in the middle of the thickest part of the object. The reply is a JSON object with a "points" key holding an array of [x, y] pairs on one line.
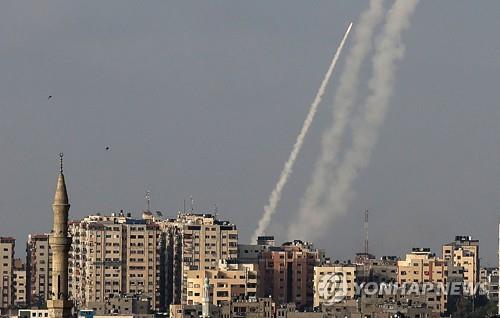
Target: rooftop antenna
{"points": [[148, 200], [184, 207], [216, 210], [366, 259], [366, 232], [192, 203]]}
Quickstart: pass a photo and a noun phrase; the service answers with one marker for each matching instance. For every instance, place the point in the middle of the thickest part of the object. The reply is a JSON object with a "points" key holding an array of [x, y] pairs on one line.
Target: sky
{"points": [[205, 98]]}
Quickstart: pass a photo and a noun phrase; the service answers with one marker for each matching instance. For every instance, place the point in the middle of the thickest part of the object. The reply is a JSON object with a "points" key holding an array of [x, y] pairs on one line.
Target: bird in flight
{"points": [[50, 97], [108, 148]]}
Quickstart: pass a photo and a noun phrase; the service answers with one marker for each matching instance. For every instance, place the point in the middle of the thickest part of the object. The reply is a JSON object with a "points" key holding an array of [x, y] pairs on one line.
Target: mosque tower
{"points": [[59, 305]]}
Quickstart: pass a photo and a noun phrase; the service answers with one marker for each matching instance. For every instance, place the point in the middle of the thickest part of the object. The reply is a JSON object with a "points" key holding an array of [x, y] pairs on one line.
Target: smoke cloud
{"points": [[388, 51], [342, 106], [275, 196]]}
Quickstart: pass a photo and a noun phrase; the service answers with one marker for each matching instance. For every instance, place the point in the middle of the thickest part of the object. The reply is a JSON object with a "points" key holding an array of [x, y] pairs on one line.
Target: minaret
{"points": [[59, 306], [205, 301]]}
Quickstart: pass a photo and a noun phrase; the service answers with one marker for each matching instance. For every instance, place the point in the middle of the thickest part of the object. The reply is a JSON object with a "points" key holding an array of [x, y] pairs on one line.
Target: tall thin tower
{"points": [[365, 227], [59, 306], [205, 302]]}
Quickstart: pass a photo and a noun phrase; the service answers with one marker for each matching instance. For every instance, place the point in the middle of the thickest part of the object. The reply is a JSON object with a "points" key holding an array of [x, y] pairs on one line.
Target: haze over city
{"points": [[206, 99]]}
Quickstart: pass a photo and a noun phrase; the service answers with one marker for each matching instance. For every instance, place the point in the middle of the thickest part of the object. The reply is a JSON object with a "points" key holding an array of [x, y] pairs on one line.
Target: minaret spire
{"points": [[61, 156], [59, 306]]}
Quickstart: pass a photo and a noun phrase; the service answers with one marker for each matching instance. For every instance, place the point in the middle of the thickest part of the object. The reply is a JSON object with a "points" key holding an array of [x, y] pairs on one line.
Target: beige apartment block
{"points": [[7, 295], [195, 242], [228, 282], [207, 240], [324, 276], [421, 266], [38, 270], [113, 256], [464, 252]]}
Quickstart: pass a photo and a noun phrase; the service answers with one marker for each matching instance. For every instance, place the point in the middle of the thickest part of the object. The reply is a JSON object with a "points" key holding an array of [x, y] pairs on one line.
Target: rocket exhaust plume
{"points": [[275, 196], [388, 51], [342, 107]]}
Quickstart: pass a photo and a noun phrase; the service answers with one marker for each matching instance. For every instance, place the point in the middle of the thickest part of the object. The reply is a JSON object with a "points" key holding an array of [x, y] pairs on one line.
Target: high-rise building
{"points": [[38, 270], [464, 252], [114, 256], [287, 272], [7, 295], [172, 260], [20, 282], [194, 242], [59, 305]]}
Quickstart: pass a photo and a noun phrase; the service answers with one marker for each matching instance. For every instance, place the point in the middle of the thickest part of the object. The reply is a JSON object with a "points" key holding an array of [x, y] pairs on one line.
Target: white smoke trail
{"points": [[388, 51], [275, 196], [343, 102]]}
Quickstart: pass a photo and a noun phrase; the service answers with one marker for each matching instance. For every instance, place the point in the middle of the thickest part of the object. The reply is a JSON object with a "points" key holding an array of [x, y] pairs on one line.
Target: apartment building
{"points": [[227, 282], [38, 270], [422, 266], [332, 280], [20, 283], [112, 256], [194, 242], [383, 270], [7, 293], [489, 278], [287, 272], [464, 252]]}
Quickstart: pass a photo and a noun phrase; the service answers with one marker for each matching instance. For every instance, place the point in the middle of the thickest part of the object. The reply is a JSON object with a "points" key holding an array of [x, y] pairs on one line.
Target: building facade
{"points": [[227, 282], [287, 273], [113, 256], [20, 283], [489, 278], [464, 252], [38, 270], [7, 292], [194, 242], [345, 279], [421, 266]]}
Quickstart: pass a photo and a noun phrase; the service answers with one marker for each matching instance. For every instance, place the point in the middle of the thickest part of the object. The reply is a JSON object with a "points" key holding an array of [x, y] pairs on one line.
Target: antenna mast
{"points": [[148, 201], [366, 232]]}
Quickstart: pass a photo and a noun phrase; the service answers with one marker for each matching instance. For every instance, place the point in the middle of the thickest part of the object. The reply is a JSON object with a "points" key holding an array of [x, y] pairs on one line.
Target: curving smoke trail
{"points": [[343, 103], [389, 50], [275, 196]]}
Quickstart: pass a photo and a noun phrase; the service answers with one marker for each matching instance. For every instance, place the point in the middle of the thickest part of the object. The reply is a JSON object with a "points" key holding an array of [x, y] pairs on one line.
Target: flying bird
{"points": [[50, 97], [107, 148]]}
